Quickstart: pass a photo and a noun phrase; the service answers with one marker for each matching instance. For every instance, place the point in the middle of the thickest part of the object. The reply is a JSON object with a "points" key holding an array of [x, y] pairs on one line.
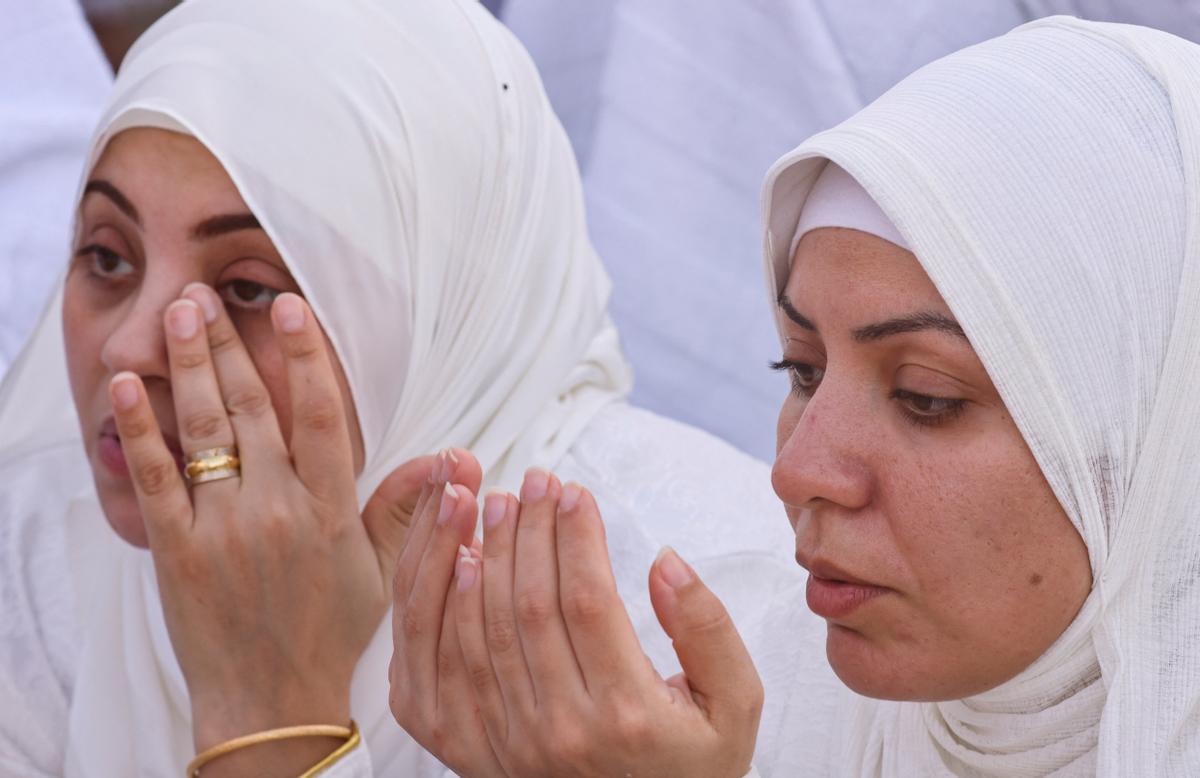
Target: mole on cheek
{"points": [[1035, 579]]}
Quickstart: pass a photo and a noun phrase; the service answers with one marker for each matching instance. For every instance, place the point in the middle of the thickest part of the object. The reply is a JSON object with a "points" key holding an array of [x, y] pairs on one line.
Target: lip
{"points": [[112, 456], [833, 593]]}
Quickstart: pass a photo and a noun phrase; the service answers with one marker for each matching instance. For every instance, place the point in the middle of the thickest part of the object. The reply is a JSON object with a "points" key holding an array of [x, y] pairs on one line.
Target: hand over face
{"points": [[560, 682], [272, 583]]}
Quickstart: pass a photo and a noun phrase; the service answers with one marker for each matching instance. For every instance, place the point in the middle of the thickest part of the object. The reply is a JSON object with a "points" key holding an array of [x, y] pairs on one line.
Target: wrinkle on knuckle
{"points": [[501, 632], [447, 662], [157, 477], [221, 337], [709, 622], [191, 360], [202, 424], [535, 609], [302, 349], [319, 415], [250, 403], [583, 607], [480, 675], [412, 625]]}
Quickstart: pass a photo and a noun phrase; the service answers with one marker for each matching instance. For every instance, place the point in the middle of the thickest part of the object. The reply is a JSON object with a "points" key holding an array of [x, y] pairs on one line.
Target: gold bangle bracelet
{"points": [[341, 751], [349, 733]]}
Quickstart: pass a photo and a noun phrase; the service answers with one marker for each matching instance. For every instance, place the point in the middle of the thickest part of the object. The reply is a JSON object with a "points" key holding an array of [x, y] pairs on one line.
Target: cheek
{"points": [[84, 330]]}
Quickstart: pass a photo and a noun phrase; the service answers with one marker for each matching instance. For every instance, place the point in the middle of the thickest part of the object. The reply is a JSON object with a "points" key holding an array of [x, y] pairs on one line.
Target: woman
{"points": [[314, 240], [986, 286]]}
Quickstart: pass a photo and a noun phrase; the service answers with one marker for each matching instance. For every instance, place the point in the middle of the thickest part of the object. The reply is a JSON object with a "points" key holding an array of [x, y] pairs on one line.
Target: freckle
{"points": [[1035, 579]]}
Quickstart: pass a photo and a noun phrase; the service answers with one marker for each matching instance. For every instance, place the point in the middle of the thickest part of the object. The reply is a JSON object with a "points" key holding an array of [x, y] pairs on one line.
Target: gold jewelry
{"points": [[350, 734], [212, 464]]}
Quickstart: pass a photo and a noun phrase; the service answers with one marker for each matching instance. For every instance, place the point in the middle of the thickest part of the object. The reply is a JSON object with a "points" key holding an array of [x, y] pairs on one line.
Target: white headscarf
{"points": [[404, 160], [1049, 183]]}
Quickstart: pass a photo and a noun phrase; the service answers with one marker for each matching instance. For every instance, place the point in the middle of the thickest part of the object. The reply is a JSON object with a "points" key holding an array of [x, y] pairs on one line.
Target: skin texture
{"points": [[189, 334], [901, 468]]}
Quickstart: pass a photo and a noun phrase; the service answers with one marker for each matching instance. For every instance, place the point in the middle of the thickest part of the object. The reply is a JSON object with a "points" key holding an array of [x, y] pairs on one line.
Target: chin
{"points": [[871, 670], [124, 515]]}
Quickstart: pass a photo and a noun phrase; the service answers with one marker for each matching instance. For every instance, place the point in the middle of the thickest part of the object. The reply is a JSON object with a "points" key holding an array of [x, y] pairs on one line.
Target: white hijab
{"points": [[404, 160], [1049, 183]]}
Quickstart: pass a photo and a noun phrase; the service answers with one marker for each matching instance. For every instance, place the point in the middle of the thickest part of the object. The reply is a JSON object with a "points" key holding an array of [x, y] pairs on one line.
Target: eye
{"points": [[805, 377], [928, 411], [248, 295], [104, 262]]}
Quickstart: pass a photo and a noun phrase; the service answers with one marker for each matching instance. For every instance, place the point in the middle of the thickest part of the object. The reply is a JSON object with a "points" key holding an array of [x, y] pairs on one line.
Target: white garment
{"points": [[675, 110], [1047, 181], [404, 160], [53, 80]]}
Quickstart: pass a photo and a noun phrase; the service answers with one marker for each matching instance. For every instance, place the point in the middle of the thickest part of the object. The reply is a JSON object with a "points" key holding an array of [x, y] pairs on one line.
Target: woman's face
{"points": [[159, 212], [938, 555]]}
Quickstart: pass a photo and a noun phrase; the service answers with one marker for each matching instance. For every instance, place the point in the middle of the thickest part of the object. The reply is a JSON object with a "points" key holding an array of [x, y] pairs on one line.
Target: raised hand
{"points": [[431, 693], [271, 582], [560, 684]]}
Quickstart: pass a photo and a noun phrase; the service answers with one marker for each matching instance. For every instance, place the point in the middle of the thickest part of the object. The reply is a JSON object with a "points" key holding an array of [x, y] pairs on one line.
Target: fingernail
{"points": [[537, 483], [570, 497], [451, 464], [289, 312], [495, 505], [204, 297], [466, 570], [449, 500], [183, 319], [672, 568], [124, 391]]}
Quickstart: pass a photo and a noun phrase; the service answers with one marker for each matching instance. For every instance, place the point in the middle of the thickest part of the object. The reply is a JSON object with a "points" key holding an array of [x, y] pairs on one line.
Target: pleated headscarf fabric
{"points": [[1048, 182], [402, 156]]}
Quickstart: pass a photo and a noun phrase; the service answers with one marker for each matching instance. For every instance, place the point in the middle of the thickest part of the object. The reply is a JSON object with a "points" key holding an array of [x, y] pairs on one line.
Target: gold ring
{"points": [[212, 464]]}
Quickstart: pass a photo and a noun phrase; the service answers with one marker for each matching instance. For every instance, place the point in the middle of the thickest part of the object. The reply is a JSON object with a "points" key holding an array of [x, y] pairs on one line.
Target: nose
{"points": [[138, 344], [824, 455]]}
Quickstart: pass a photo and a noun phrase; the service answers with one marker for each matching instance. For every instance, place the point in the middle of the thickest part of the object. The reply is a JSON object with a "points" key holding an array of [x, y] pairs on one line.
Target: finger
{"points": [[502, 643], [320, 442], [540, 625], [719, 670], [388, 514], [424, 612], [162, 497], [247, 403], [471, 631], [602, 636], [203, 423], [420, 529]]}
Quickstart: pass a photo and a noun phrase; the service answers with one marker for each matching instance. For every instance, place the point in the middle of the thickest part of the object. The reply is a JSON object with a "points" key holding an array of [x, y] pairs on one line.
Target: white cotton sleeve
{"points": [[355, 764]]}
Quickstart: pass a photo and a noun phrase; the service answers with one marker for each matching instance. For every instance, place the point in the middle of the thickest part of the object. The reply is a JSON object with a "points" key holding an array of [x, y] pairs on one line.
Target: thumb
{"points": [[388, 515], [717, 666]]}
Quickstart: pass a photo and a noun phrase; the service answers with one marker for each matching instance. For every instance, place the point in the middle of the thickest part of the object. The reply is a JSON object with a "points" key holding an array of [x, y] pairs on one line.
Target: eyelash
{"points": [[228, 291], [951, 408]]}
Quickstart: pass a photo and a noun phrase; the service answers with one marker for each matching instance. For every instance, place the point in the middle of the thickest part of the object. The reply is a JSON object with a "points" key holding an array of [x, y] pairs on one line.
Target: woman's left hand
{"points": [[272, 583]]}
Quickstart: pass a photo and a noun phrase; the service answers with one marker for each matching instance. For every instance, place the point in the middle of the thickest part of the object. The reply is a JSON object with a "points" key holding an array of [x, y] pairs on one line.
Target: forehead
{"points": [[851, 274], [167, 174]]}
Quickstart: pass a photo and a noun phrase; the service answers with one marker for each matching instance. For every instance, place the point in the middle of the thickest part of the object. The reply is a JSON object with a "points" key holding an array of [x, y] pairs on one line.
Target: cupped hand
{"points": [[272, 582], [559, 683], [430, 693]]}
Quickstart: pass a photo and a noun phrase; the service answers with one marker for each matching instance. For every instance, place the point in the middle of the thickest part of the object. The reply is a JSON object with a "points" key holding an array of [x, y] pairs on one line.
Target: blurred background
{"points": [[675, 110]]}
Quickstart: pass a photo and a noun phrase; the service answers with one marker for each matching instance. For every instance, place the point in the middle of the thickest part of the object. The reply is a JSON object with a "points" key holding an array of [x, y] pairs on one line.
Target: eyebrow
{"points": [[225, 223], [211, 227], [913, 322], [100, 186]]}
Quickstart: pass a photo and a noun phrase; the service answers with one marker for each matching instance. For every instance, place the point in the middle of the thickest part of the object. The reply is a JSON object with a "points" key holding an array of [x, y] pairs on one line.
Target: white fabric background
{"points": [[677, 109], [53, 81]]}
